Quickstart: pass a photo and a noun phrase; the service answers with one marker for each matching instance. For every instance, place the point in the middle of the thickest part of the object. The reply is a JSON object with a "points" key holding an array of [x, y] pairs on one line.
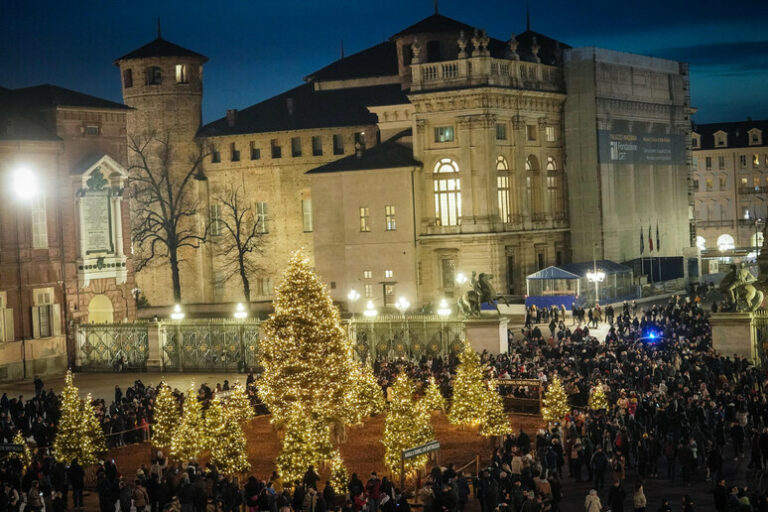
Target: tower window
{"points": [[338, 144], [153, 75], [128, 78], [215, 157], [444, 134], [181, 74]]}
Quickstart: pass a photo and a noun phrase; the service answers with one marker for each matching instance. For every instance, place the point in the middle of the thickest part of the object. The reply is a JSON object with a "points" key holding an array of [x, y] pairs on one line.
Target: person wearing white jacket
{"points": [[638, 498], [592, 502]]}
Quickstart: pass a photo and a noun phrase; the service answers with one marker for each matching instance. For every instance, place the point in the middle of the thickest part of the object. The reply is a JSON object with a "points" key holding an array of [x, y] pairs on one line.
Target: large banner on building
{"points": [[641, 148]]}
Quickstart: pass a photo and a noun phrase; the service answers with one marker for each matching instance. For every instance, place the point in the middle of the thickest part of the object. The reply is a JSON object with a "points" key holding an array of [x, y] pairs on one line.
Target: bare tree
{"points": [[163, 201], [242, 237]]}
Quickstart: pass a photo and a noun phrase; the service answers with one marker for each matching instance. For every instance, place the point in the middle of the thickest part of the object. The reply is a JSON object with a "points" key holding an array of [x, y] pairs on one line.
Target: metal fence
{"points": [[760, 338], [108, 347], [210, 345]]}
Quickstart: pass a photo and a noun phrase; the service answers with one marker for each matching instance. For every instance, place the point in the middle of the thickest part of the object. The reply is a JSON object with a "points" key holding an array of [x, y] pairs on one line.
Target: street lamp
{"points": [[240, 312], [370, 310], [177, 313], [402, 305], [461, 278], [24, 184], [759, 224], [596, 276], [443, 309]]}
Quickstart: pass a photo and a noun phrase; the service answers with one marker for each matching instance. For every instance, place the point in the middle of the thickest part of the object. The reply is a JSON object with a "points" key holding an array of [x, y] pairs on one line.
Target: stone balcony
{"points": [[486, 71]]}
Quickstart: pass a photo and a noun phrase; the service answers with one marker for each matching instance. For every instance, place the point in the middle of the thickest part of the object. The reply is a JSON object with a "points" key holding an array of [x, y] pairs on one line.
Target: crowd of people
{"points": [[676, 411]]}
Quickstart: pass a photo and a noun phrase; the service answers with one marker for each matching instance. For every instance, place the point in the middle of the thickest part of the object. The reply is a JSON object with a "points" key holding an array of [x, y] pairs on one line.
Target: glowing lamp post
{"points": [[461, 278], [402, 305], [240, 312], [597, 277], [443, 309], [177, 314], [370, 310]]}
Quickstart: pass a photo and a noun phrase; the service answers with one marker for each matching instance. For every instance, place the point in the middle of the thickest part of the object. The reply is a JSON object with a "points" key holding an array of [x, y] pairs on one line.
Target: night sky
{"points": [[259, 48]]}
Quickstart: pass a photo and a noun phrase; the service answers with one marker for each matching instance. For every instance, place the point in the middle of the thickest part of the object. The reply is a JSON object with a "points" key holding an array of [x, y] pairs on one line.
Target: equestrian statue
{"points": [[481, 291]]}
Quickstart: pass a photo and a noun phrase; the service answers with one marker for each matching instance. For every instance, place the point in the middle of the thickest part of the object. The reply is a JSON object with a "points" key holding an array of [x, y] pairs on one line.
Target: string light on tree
{"points": [[339, 477], [307, 441], [555, 404], [26, 456], [230, 451], [597, 398], [433, 398], [495, 421], [94, 443], [468, 406], [214, 424], [239, 404], [188, 438], [165, 416], [365, 397]]}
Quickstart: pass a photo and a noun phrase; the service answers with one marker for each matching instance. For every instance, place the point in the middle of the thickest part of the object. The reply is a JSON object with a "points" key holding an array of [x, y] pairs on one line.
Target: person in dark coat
{"points": [[720, 493], [76, 476], [616, 497]]}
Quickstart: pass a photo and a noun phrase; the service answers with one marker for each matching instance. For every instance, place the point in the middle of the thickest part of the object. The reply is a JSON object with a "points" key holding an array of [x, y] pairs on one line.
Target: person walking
{"points": [[592, 502], [616, 497], [638, 498]]}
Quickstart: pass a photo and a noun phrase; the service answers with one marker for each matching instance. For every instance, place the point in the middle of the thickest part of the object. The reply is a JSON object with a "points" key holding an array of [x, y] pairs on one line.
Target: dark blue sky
{"points": [[258, 48]]}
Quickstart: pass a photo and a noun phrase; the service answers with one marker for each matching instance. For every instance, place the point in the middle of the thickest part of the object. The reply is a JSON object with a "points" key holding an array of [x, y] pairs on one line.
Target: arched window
{"points": [[502, 188], [725, 242], [447, 193], [551, 165], [701, 243], [531, 163], [533, 187]]}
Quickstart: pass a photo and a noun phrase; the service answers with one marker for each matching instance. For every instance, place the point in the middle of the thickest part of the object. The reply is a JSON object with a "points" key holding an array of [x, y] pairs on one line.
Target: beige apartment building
{"points": [[730, 183], [437, 152]]}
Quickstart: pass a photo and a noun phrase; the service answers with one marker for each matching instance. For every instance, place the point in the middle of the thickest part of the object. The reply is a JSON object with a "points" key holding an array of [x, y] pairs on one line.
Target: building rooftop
{"points": [[435, 23], [160, 48], [738, 133], [379, 60], [390, 154], [52, 96], [303, 108]]}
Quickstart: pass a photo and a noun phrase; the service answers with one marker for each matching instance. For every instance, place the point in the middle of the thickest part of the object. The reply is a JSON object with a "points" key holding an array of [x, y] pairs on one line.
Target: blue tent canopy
{"points": [[553, 273]]}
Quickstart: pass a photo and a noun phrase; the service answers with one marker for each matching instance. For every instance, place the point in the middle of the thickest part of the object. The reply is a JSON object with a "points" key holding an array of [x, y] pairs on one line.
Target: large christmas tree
{"points": [[165, 417], [364, 397], [188, 439], [239, 404], [306, 356], [68, 444], [93, 441], [433, 398], [408, 424], [468, 406], [597, 398], [213, 422], [307, 441], [555, 406], [339, 477], [229, 453], [495, 421]]}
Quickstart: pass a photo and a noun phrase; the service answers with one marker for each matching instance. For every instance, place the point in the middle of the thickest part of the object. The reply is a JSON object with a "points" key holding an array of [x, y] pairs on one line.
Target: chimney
{"points": [[289, 105], [231, 117]]}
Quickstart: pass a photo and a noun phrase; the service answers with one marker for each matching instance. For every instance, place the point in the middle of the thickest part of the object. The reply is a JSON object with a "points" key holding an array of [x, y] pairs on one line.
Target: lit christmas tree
{"points": [[307, 441], [26, 456], [433, 398], [214, 424], [165, 417], [597, 398], [468, 405], [555, 404], [239, 404], [495, 421], [408, 424], [364, 397], [229, 453], [68, 445], [188, 439], [93, 441], [339, 478]]}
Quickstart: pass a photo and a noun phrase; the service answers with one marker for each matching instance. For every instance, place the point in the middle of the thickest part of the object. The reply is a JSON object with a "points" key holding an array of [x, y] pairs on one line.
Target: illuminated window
{"points": [[365, 218], [447, 190], [744, 181], [550, 133], [262, 217], [551, 165], [368, 289], [723, 182], [39, 224], [128, 78], [389, 289], [756, 240], [501, 131], [709, 184], [444, 134], [755, 160], [389, 217], [725, 242], [388, 274], [502, 190], [153, 75], [553, 190], [756, 182], [367, 274], [701, 243], [181, 74], [306, 211]]}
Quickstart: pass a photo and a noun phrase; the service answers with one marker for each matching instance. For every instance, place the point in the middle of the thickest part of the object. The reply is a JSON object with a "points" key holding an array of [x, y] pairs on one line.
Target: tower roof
{"points": [[161, 48], [50, 96], [435, 23]]}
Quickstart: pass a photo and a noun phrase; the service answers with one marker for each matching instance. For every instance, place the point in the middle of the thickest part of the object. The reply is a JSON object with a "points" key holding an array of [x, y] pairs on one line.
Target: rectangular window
{"points": [[367, 274], [360, 139], [501, 131], [756, 182], [181, 74], [558, 258], [128, 78], [153, 75], [531, 131], [45, 314], [721, 162], [255, 152], [743, 160], [92, 130], [448, 273], [723, 182], [277, 151], [306, 211], [755, 160], [338, 144], [709, 184], [550, 133], [744, 182], [234, 153], [695, 184], [215, 157], [365, 218], [389, 217], [708, 162], [502, 190], [447, 202], [368, 289], [264, 286], [540, 260], [295, 146], [39, 224], [553, 190], [215, 220], [317, 146], [444, 134], [262, 217], [388, 274], [389, 289]]}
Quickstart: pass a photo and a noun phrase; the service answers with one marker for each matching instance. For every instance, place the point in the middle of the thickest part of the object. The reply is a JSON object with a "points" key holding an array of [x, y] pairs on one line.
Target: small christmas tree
{"points": [[468, 406], [408, 424], [239, 403], [165, 417], [307, 441], [305, 352], [365, 397], [339, 478], [496, 421], [555, 406], [93, 441], [230, 451], [188, 439], [67, 445], [433, 398], [214, 424], [26, 456], [597, 398]]}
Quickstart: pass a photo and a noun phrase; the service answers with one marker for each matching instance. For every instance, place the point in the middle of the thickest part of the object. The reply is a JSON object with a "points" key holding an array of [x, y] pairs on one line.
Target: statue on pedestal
{"points": [[742, 289], [481, 291]]}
